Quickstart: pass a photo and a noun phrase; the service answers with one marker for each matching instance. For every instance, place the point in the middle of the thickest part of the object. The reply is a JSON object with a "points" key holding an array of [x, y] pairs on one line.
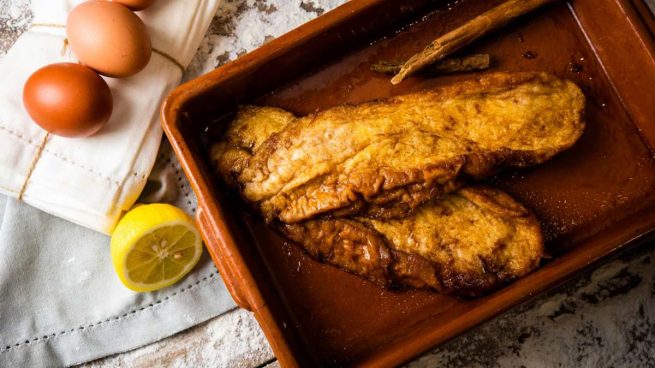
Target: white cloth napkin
{"points": [[91, 181]]}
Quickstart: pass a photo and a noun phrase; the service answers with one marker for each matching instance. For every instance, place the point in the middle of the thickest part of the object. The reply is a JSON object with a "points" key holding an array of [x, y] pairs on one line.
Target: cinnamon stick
{"points": [[467, 33], [446, 66]]}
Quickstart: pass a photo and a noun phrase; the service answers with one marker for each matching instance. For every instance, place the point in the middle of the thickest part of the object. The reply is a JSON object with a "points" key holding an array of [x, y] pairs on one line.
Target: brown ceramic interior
{"points": [[591, 200]]}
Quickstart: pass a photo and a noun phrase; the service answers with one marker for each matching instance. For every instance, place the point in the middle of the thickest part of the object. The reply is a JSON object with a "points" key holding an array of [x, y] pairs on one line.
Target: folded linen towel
{"points": [[91, 181], [62, 303]]}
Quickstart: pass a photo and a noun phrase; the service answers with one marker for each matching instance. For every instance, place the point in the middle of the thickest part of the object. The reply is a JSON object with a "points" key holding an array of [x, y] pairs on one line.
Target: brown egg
{"points": [[68, 99], [135, 4], [108, 37]]}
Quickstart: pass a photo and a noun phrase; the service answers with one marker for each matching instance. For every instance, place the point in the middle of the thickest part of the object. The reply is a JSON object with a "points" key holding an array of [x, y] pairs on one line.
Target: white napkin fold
{"points": [[91, 181]]}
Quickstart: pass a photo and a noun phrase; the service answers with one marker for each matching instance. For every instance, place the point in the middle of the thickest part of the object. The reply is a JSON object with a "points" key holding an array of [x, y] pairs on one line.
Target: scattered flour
{"points": [[241, 26], [15, 17]]}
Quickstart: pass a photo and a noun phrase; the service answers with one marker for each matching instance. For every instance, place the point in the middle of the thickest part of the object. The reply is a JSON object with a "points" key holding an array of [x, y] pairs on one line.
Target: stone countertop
{"points": [[603, 318]]}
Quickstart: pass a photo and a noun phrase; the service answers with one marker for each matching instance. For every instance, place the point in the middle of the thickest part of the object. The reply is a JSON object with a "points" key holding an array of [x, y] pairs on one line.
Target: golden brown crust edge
{"points": [[358, 248]]}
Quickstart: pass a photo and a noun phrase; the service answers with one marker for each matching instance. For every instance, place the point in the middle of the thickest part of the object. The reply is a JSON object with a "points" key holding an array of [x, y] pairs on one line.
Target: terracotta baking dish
{"points": [[592, 200]]}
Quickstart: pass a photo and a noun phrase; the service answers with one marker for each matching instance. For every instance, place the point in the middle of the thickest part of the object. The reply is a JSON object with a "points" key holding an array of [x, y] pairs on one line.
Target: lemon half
{"points": [[154, 246]]}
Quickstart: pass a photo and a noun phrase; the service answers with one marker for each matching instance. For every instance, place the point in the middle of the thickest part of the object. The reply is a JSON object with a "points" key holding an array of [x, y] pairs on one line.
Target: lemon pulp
{"points": [[154, 246]]}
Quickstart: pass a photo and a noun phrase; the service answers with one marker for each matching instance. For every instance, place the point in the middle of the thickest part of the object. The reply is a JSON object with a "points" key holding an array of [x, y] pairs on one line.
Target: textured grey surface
{"points": [[232, 340], [604, 318]]}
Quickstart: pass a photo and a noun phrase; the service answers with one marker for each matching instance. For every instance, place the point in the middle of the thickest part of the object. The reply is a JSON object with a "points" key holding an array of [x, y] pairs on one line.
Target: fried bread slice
{"points": [[383, 159], [466, 243]]}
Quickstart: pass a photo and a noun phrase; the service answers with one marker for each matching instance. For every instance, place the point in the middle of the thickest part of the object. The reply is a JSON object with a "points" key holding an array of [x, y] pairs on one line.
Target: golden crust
{"points": [[466, 243], [384, 159]]}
